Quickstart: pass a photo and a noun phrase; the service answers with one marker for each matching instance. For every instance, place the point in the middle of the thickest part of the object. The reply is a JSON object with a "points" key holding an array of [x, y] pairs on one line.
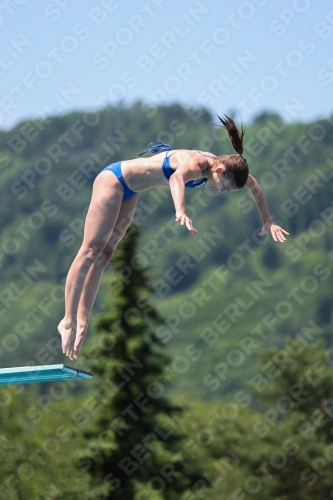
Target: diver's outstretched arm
{"points": [[269, 226]]}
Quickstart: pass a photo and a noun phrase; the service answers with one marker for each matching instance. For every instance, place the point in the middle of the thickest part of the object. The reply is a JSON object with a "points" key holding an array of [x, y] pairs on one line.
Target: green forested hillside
{"points": [[251, 422], [225, 292]]}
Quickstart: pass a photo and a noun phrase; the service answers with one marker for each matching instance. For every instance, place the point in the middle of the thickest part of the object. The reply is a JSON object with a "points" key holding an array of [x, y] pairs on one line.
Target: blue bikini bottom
{"points": [[116, 169]]}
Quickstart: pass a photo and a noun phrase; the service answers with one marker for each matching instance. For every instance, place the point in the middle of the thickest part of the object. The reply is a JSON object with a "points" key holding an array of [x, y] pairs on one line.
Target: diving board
{"points": [[46, 373]]}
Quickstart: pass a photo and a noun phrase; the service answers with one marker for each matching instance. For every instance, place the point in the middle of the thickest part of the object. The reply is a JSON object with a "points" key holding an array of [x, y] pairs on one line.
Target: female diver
{"points": [[112, 206]]}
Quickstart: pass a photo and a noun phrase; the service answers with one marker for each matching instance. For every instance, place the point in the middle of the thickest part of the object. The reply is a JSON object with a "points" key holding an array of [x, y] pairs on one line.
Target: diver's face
{"points": [[220, 182]]}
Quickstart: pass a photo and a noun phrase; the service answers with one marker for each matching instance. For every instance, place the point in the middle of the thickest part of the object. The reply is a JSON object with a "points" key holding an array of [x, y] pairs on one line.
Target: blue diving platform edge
{"points": [[45, 373]]}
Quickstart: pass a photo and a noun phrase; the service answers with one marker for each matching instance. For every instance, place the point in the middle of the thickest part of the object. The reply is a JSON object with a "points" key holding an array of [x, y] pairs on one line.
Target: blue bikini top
{"points": [[156, 147]]}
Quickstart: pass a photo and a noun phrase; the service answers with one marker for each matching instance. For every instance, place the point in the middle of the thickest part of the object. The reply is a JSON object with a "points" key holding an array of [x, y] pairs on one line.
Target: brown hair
{"points": [[235, 165]]}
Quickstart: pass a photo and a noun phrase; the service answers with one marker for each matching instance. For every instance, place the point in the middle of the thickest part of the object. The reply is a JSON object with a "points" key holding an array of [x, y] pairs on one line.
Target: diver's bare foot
{"points": [[81, 332], [68, 333]]}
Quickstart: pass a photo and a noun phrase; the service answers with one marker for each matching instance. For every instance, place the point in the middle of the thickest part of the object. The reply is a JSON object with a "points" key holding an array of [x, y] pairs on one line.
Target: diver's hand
{"points": [[275, 230], [184, 220]]}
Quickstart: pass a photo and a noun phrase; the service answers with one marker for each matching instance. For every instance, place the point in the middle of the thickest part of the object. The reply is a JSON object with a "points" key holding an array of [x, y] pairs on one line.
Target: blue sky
{"points": [[246, 56]]}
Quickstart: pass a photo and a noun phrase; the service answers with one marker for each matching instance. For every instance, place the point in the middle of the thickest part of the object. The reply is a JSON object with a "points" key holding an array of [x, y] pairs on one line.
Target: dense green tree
{"points": [[264, 116], [133, 448], [36, 439], [284, 451], [294, 454]]}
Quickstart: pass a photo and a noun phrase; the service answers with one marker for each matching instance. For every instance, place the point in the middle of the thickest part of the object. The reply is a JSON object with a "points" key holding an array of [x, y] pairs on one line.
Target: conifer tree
{"points": [[286, 450], [297, 445], [133, 448]]}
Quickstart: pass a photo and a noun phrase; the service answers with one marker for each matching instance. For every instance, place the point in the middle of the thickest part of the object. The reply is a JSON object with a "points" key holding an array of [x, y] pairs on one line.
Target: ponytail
{"points": [[235, 135], [236, 166]]}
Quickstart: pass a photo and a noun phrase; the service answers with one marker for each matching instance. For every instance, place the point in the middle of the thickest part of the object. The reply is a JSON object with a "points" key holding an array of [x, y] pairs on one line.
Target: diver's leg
{"points": [[94, 276], [101, 218]]}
